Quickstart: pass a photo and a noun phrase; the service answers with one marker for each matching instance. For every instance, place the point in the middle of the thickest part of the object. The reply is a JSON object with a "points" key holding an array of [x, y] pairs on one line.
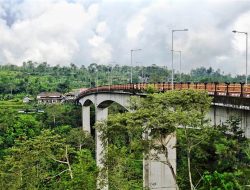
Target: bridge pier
{"points": [[159, 175], [86, 118], [101, 114]]}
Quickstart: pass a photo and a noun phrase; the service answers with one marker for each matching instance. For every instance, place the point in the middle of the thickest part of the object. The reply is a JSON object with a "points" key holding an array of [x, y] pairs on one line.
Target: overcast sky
{"points": [[103, 31]]}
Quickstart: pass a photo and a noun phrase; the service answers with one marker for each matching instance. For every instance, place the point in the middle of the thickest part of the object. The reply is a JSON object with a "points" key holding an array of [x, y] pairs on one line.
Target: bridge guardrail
{"points": [[216, 89]]}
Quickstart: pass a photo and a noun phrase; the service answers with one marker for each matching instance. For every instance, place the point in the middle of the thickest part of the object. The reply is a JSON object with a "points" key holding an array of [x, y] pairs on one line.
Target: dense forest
{"points": [[49, 150], [32, 78]]}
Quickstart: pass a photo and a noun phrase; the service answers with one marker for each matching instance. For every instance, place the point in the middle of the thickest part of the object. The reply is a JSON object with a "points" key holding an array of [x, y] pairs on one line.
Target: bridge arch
{"points": [[87, 102], [101, 102]]}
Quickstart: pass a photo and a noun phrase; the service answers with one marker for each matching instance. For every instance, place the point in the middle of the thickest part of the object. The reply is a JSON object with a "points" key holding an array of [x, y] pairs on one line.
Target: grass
{"points": [[13, 104]]}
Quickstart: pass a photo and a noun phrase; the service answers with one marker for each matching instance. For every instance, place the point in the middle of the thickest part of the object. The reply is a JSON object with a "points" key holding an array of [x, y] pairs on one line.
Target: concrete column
{"points": [[86, 118], [146, 173], [145, 166], [101, 114], [160, 176]]}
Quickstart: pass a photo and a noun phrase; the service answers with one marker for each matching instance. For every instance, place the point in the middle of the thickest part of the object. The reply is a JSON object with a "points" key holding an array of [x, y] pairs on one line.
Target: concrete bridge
{"points": [[228, 99]]}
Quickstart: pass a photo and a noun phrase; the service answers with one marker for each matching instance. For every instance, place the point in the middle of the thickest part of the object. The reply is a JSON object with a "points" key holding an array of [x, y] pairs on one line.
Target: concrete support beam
{"points": [[86, 118], [146, 163], [101, 114], [220, 114], [160, 176]]}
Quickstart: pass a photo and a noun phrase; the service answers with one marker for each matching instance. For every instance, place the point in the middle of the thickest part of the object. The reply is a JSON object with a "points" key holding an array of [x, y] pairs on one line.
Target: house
{"points": [[49, 97]]}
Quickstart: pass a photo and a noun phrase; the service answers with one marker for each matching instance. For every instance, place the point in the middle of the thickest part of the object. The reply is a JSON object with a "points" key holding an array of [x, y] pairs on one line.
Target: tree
{"points": [[219, 160], [80, 139], [16, 127], [29, 162], [54, 113], [63, 86], [191, 116], [85, 172], [62, 114], [231, 162], [47, 162]]}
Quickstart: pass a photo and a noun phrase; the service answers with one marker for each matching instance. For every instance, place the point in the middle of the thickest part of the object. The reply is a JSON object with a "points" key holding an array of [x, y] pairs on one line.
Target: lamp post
{"points": [[131, 70], [183, 30], [234, 31], [180, 62]]}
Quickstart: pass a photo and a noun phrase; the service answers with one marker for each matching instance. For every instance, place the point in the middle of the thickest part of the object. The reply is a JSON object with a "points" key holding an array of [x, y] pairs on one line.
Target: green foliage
{"points": [[80, 139], [85, 173], [124, 168], [58, 114], [16, 127], [219, 161], [151, 89], [39, 163], [29, 162], [115, 108], [222, 181], [37, 149], [218, 156], [33, 149], [33, 78]]}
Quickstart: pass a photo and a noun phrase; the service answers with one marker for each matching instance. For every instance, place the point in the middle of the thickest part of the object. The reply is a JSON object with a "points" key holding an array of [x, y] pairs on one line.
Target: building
{"points": [[49, 97]]}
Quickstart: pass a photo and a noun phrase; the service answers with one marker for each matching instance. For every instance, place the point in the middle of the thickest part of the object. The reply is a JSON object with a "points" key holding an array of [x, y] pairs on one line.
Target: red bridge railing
{"points": [[219, 89]]}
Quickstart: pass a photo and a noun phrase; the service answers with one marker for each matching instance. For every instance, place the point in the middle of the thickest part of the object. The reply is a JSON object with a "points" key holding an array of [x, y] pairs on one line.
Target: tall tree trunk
{"points": [[168, 163], [54, 120], [189, 170], [188, 159], [69, 166]]}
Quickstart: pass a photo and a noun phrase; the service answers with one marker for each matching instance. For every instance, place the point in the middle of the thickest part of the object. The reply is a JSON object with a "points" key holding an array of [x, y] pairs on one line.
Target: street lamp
{"points": [[180, 62], [131, 70], [183, 30], [234, 31]]}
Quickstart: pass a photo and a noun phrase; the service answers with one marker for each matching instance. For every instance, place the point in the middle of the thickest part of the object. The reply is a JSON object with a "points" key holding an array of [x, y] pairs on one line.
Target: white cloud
{"points": [[50, 33], [101, 51], [85, 31], [242, 24], [102, 28], [135, 26]]}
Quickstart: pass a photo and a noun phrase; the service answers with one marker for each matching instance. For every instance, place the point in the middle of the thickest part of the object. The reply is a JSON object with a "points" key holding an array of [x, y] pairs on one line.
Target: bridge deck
{"points": [[224, 94], [214, 89]]}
